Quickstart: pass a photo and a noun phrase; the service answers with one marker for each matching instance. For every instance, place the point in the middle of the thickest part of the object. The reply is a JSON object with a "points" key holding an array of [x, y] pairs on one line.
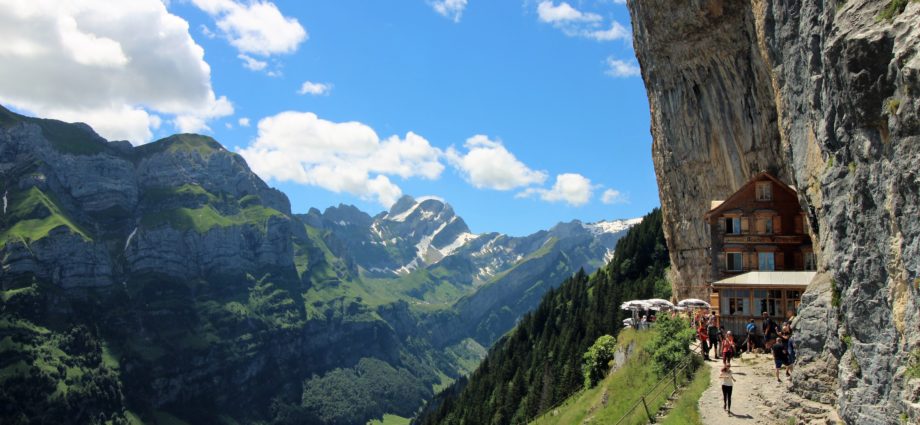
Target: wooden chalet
{"points": [[761, 253]]}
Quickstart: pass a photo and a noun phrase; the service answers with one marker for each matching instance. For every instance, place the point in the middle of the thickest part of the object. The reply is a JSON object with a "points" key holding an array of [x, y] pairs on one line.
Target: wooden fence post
{"points": [[647, 413]]}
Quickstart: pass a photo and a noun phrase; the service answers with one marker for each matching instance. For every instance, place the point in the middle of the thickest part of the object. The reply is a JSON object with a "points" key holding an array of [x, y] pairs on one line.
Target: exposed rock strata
{"points": [[713, 117], [842, 87]]}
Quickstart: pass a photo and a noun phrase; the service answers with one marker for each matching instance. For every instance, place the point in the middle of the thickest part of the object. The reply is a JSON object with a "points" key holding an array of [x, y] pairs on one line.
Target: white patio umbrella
{"points": [[693, 303], [635, 306], [660, 304]]}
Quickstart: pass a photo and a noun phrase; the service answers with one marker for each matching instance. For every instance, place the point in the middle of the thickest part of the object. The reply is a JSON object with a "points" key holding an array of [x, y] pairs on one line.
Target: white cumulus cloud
{"points": [[255, 27], [613, 196], [575, 23], [451, 9], [315, 89], [571, 188], [344, 157], [564, 12], [243, 122], [621, 69], [117, 66], [487, 164], [252, 63]]}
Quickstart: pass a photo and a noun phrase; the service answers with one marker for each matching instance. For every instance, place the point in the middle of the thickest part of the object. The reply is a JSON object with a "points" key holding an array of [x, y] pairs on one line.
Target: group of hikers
{"points": [[776, 339]]}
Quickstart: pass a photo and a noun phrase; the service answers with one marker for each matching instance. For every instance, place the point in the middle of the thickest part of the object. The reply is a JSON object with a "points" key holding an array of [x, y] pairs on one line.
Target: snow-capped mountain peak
{"points": [[611, 226]]}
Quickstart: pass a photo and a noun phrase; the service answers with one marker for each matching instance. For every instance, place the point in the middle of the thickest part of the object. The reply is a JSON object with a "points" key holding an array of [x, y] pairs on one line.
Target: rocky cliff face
{"points": [[713, 117], [827, 95]]}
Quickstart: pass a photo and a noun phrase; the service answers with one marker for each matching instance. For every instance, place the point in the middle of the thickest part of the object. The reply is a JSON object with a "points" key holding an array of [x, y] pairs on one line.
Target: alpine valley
{"points": [[167, 282]]}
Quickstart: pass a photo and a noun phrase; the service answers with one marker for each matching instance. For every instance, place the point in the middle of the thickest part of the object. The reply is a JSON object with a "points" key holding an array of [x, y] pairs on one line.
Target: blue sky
{"points": [[483, 103]]}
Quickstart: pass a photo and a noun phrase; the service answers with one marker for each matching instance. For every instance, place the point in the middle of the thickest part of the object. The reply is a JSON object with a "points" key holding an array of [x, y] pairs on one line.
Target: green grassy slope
{"points": [[31, 215]]}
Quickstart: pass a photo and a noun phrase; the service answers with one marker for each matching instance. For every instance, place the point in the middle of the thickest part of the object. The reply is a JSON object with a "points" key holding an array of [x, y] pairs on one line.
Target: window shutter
{"points": [[722, 225], [777, 225], [761, 225], [799, 229], [752, 260], [799, 264], [778, 259], [744, 224], [723, 264]]}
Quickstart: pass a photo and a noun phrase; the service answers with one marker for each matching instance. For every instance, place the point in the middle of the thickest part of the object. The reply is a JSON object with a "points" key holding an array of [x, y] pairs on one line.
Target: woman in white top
{"points": [[727, 381]]}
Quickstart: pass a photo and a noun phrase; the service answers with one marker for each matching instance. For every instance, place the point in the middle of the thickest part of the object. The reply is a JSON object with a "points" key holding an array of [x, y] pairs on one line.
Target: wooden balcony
{"points": [[766, 239]]}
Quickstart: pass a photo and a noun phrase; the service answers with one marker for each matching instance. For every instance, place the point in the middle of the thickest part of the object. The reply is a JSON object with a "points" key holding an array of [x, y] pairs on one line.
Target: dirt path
{"points": [[755, 392]]}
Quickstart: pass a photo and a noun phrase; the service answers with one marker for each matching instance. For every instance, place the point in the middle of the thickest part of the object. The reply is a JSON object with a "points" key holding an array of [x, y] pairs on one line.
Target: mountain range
{"points": [[167, 281]]}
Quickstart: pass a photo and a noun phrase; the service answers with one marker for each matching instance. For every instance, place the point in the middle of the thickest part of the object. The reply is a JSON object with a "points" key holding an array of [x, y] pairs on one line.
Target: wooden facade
{"points": [[761, 227], [761, 254], [747, 296]]}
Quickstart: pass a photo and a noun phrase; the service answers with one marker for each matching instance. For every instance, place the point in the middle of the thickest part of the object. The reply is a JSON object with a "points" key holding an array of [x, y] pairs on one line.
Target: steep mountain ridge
{"points": [[826, 95], [169, 280]]}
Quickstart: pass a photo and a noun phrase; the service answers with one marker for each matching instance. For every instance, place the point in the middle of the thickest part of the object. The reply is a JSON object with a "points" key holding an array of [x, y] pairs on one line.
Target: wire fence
{"points": [[645, 409]]}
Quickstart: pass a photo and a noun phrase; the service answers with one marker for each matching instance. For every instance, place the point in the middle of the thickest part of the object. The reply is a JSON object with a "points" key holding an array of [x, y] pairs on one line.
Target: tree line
{"points": [[539, 364]]}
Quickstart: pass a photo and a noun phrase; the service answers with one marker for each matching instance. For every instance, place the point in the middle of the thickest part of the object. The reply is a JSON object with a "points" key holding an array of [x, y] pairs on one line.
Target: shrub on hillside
{"points": [[597, 359], [671, 344]]}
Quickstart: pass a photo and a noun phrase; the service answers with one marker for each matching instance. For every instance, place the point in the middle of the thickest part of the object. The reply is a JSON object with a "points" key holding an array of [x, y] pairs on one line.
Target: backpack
{"points": [[750, 328]]}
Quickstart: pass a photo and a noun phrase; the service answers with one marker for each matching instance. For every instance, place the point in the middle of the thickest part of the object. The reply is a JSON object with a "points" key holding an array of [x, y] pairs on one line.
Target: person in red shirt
{"points": [[728, 348], [703, 335]]}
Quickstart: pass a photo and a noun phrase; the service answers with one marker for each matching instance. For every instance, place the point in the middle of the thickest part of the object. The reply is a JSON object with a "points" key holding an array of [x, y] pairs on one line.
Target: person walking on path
{"points": [[704, 347], [727, 383], [715, 340], [728, 348], [779, 356], [786, 336]]}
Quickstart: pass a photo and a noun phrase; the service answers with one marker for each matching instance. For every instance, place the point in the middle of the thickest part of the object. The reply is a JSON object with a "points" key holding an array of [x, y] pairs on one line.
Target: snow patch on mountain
{"points": [[611, 226], [403, 215], [462, 239], [421, 248]]}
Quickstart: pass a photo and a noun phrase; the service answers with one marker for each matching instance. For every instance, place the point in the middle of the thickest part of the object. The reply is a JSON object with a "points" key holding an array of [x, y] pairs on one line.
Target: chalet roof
{"points": [[768, 279], [726, 204]]}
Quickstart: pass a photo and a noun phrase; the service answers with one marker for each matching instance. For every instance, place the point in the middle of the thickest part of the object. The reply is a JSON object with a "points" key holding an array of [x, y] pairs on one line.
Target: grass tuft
{"points": [[892, 9]]}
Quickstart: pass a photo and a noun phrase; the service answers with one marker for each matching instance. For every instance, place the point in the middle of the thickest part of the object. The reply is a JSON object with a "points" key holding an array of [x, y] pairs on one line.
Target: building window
{"points": [[765, 261], [809, 261], [733, 261], [734, 302], [793, 298], [768, 225], [733, 225], [769, 301], [764, 191]]}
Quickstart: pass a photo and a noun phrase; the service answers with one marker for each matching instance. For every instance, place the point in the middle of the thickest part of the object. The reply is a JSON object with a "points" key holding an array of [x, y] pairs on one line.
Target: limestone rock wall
{"points": [[848, 81], [713, 117], [826, 94]]}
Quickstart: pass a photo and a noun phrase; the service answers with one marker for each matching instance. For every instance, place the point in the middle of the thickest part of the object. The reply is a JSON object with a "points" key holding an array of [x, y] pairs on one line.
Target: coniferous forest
{"points": [[539, 363]]}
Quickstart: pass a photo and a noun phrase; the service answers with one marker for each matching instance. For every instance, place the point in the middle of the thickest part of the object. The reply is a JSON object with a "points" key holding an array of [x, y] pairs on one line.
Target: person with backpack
{"points": [[751, 329]]}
